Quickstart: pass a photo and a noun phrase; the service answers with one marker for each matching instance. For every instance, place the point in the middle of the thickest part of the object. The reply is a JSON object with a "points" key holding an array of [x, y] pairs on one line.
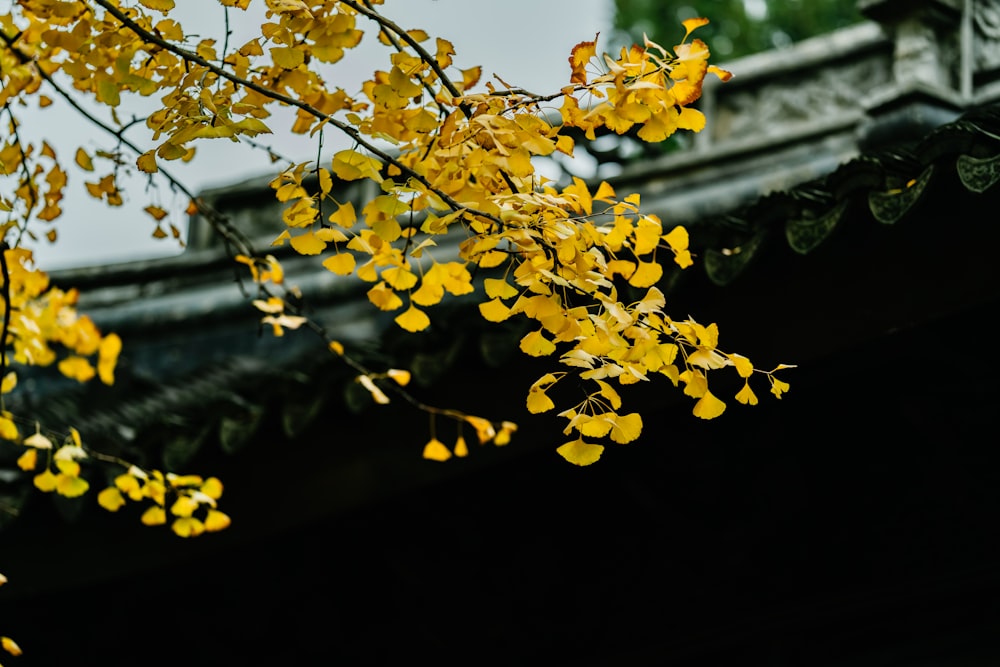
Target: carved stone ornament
{"points": [[890, 205], [978, 174], [804, 235], [722, 267]]}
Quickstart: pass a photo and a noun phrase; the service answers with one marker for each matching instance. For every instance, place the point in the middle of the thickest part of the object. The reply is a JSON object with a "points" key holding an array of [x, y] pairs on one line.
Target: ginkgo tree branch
{"points": [[398, 33], [363, 8], [219, 222], [349, 130]]}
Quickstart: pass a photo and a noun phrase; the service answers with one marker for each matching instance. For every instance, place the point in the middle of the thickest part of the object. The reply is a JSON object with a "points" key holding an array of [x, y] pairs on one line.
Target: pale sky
{"points": [[525, 42]]}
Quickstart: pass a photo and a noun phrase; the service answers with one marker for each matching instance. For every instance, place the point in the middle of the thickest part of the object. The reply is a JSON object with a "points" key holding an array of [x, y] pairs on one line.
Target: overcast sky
{"points": [[525, 42]]}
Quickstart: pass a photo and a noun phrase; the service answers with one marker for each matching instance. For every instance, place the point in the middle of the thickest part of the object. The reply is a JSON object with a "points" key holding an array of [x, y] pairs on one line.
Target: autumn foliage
{"points": [[452, 159]]}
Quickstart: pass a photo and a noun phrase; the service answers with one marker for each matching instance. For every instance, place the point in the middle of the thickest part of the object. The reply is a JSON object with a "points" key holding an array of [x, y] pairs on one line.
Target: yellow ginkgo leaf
{"points": [[154, 516], [778, 387], [503, 435], [580, 453], [187, 526], [10, 646], [76, 368], [71, 486], [413, 320], [627, 428], [28, 460], [484, 428], [494, 311], [216, 521], [399, 278], [461, 448], [8, 430], [183, 506], [401, 377], [435, 450], [45, 481], [746, 395], [110, 499], [308, 244], [538, 401], [129, 485], [708, 407], [499, 289], [536, 345], [342, 264], [287, 57], [646, 275], [212, 488]]}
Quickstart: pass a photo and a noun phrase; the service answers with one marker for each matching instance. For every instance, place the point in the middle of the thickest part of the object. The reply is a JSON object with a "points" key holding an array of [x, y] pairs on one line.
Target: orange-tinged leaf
{"points": [[578, 59], [155, 211], [708, 407], [83, 160], [580, 453], [690, 25], [435, 450], [724, 75]]}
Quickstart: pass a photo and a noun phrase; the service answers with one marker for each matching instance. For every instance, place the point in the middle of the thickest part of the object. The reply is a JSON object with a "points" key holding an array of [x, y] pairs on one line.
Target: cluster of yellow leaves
{"points": [[189, 502], [486, 432], [44, 322], [189, 499], [462, 167], [60, 473]]}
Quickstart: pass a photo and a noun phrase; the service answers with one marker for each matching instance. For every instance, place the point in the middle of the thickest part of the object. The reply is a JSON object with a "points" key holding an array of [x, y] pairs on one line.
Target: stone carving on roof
{"points": [[807, 96], [986, 23]]}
